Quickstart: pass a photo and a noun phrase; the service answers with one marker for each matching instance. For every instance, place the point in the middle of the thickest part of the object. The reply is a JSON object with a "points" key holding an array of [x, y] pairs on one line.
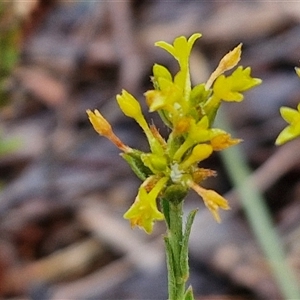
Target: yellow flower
{"points": [[212, 200], [169, 99], [144, 212], [171, 167], [229, 88], [291, 116], [102, 126], [181, 50]]}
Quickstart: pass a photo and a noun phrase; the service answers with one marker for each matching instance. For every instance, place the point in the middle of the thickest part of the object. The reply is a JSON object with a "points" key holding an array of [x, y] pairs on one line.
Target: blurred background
{"points": [[64, 189]]}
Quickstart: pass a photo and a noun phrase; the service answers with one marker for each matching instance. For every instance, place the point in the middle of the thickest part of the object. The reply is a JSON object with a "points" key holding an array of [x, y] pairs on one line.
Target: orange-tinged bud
{"points": [[201, 174], [229, 61], [212, 200], [102, 126], [223, 141], [99, 123]]}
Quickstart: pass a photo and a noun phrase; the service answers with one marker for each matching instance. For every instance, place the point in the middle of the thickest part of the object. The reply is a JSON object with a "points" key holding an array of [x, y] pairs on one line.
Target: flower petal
{"points": [[289, 114]]}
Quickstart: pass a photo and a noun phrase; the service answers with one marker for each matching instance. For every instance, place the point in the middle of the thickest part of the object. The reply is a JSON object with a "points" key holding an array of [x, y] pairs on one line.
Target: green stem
{"points": [[176, 249], [174, 239]]}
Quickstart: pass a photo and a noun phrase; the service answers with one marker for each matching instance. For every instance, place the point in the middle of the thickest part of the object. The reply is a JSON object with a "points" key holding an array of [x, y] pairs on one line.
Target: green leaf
{"points": [[164, 115], [185, 243], [171, 263], [135, 162], [165, 206], [189, 295]]}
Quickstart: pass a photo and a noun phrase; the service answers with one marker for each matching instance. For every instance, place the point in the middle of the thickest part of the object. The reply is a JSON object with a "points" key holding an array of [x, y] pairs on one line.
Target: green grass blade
{"points": [[258, 216]]}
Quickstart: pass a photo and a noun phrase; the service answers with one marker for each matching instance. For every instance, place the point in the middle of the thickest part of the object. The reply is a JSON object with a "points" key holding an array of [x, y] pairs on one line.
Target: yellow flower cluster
{"points": [[172, 164]]}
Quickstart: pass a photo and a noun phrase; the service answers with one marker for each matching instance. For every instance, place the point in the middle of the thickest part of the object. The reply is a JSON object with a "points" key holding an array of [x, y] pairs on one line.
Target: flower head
{"points": [[172, 165]]}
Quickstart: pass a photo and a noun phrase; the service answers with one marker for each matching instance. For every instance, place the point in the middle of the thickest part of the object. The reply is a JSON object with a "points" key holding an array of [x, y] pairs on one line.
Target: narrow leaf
{"points": [[185, 242], [165, 207], [189, 295]]}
